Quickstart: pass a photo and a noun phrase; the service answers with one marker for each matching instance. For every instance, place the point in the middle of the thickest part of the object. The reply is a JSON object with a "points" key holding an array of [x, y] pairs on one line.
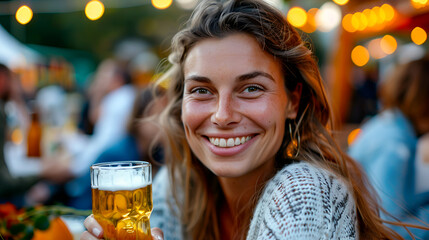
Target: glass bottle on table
{"points": [[34, 137]]}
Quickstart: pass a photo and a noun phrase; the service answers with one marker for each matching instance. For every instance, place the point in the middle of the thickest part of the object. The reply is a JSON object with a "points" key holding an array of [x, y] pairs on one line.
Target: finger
{"points": [[93, 227], [157, 234], [87, 236]]}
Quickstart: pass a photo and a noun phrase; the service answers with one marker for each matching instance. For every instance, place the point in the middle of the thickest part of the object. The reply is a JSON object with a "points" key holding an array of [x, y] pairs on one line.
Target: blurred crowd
{"points": [[47, 146]]}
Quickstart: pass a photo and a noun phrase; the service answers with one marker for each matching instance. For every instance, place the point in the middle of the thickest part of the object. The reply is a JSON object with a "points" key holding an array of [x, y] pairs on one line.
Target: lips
{"points": [[229, 142]]}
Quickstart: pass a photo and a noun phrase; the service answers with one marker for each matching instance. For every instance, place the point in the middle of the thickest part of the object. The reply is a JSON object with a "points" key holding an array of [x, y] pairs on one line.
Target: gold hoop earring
{"points": [[292, 148]]}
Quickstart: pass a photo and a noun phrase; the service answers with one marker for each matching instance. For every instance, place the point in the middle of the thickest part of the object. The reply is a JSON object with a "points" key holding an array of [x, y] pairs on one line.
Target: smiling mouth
{"points": [[229, 142]]}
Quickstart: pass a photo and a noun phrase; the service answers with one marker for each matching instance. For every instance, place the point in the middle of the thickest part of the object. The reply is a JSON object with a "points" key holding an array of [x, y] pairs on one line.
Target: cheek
{"points": [[266, 113], [193, 114]]}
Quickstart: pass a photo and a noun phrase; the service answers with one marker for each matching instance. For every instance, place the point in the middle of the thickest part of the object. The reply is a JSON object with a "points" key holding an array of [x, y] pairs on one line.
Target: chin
{"points": [[227, 170]]}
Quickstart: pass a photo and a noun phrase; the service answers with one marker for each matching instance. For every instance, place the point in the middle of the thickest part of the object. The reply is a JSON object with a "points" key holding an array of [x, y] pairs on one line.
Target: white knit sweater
{"points": [[300, 202]]}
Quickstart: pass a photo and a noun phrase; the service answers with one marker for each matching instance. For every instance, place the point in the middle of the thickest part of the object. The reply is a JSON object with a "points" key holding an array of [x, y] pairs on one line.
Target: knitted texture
{"points": [[300, 202], [304, 202]]}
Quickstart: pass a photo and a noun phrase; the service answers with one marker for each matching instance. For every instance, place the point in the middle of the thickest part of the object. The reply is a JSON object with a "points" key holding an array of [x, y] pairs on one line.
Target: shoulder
{"points": [[163, 215], [303, 184], [305, 178], [306, 202], [389, 125]]}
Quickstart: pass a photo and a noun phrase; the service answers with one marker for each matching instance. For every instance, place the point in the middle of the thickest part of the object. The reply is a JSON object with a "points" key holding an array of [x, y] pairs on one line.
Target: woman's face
{"points": [[234, 105]]}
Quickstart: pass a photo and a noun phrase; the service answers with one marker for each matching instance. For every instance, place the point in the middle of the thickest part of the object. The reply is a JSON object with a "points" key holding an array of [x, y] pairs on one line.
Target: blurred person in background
{"points": [[386, 146], [18, 190], [141, 142], [111, 100], [9, 91], [112, 96]]}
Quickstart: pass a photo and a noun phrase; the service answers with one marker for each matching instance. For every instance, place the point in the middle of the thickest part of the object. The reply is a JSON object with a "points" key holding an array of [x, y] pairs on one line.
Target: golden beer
{"points": [[122, 202]]}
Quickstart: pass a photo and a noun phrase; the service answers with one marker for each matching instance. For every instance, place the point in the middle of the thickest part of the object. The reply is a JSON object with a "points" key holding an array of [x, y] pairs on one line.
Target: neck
{"points": [[239, 192]]}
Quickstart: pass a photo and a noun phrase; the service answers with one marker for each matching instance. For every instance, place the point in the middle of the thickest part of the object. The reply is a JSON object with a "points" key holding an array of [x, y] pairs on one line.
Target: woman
{"points": [[250, 155], [387, 144]]}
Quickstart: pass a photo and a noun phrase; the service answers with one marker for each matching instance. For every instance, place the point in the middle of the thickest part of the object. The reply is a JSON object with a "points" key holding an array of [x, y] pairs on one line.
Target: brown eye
{"points": [[252, 89], [200, 91]]}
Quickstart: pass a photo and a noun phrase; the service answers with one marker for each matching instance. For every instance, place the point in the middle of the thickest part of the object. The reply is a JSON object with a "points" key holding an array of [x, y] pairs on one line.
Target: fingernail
{"points": [[157, 237], [96, 231]]}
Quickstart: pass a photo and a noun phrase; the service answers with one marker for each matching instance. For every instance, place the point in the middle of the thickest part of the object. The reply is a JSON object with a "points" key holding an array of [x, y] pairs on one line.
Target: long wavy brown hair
{"points": [[195, 189]]}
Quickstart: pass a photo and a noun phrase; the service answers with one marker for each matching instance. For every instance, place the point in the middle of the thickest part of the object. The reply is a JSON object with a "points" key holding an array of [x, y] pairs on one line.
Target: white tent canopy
{"points": [[15, 54]]}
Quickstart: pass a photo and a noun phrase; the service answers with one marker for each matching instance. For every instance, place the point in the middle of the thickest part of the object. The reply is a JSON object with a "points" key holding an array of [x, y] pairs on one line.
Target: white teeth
{"points": [[222, 142], [229, 142]]}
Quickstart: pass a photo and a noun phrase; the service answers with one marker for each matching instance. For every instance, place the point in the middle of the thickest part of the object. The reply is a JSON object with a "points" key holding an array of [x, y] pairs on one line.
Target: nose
{"points": [[226, 111]]}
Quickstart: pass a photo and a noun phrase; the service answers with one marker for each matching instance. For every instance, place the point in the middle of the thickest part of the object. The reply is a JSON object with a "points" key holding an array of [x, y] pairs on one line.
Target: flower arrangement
{"points": [[22, 224]]}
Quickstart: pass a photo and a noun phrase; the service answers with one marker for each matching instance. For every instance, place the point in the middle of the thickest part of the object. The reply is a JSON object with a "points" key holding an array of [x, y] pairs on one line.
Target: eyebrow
{"points": [[254, 75], [240, 78], [198, 79]]}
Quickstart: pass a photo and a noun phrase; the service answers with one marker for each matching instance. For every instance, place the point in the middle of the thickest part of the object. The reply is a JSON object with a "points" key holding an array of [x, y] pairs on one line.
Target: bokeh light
{"points": [[389, 11], [310, 25], [328, 17], [418, 35], [24, 14], [347, 23], [341, 2], [388, 44], [363, 21], [187, 4], [375, 50], [353, 135], [297, 17], [419, 3], [371, 17], [17, 136], [162, 4], [94, 10], [360, 56], [381, 15]]}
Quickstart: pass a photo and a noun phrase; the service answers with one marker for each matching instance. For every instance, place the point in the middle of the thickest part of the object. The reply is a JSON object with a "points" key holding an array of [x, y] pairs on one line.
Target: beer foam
{"points": [[121, 180]]}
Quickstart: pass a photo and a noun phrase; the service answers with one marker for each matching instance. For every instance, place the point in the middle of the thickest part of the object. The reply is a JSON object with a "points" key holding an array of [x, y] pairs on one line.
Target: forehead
{"points": [[234, 54]]}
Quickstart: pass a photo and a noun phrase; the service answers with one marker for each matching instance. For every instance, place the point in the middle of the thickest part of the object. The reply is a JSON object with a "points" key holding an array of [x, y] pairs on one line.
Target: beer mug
{"points": [[122, 199]]}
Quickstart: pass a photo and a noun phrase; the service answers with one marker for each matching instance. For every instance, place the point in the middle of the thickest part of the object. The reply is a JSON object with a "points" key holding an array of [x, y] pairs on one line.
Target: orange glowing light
{"points": [[353, 135], [347, 23], [297, 17], [418, 35], [360, 56], [388, 44]]}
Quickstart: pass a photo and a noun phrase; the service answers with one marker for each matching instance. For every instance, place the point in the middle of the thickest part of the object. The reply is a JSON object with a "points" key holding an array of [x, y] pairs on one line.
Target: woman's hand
{"points": [[96, 232]]}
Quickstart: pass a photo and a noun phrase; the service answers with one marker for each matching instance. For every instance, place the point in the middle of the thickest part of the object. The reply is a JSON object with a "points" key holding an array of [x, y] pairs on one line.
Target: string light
{"points": [[24, 14], [297, 17], [162, 4], [375, 50], [310, 25], [388, 44], [94, 10], [360, 56], [347, 23], [341, 2], [418, 35]]}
